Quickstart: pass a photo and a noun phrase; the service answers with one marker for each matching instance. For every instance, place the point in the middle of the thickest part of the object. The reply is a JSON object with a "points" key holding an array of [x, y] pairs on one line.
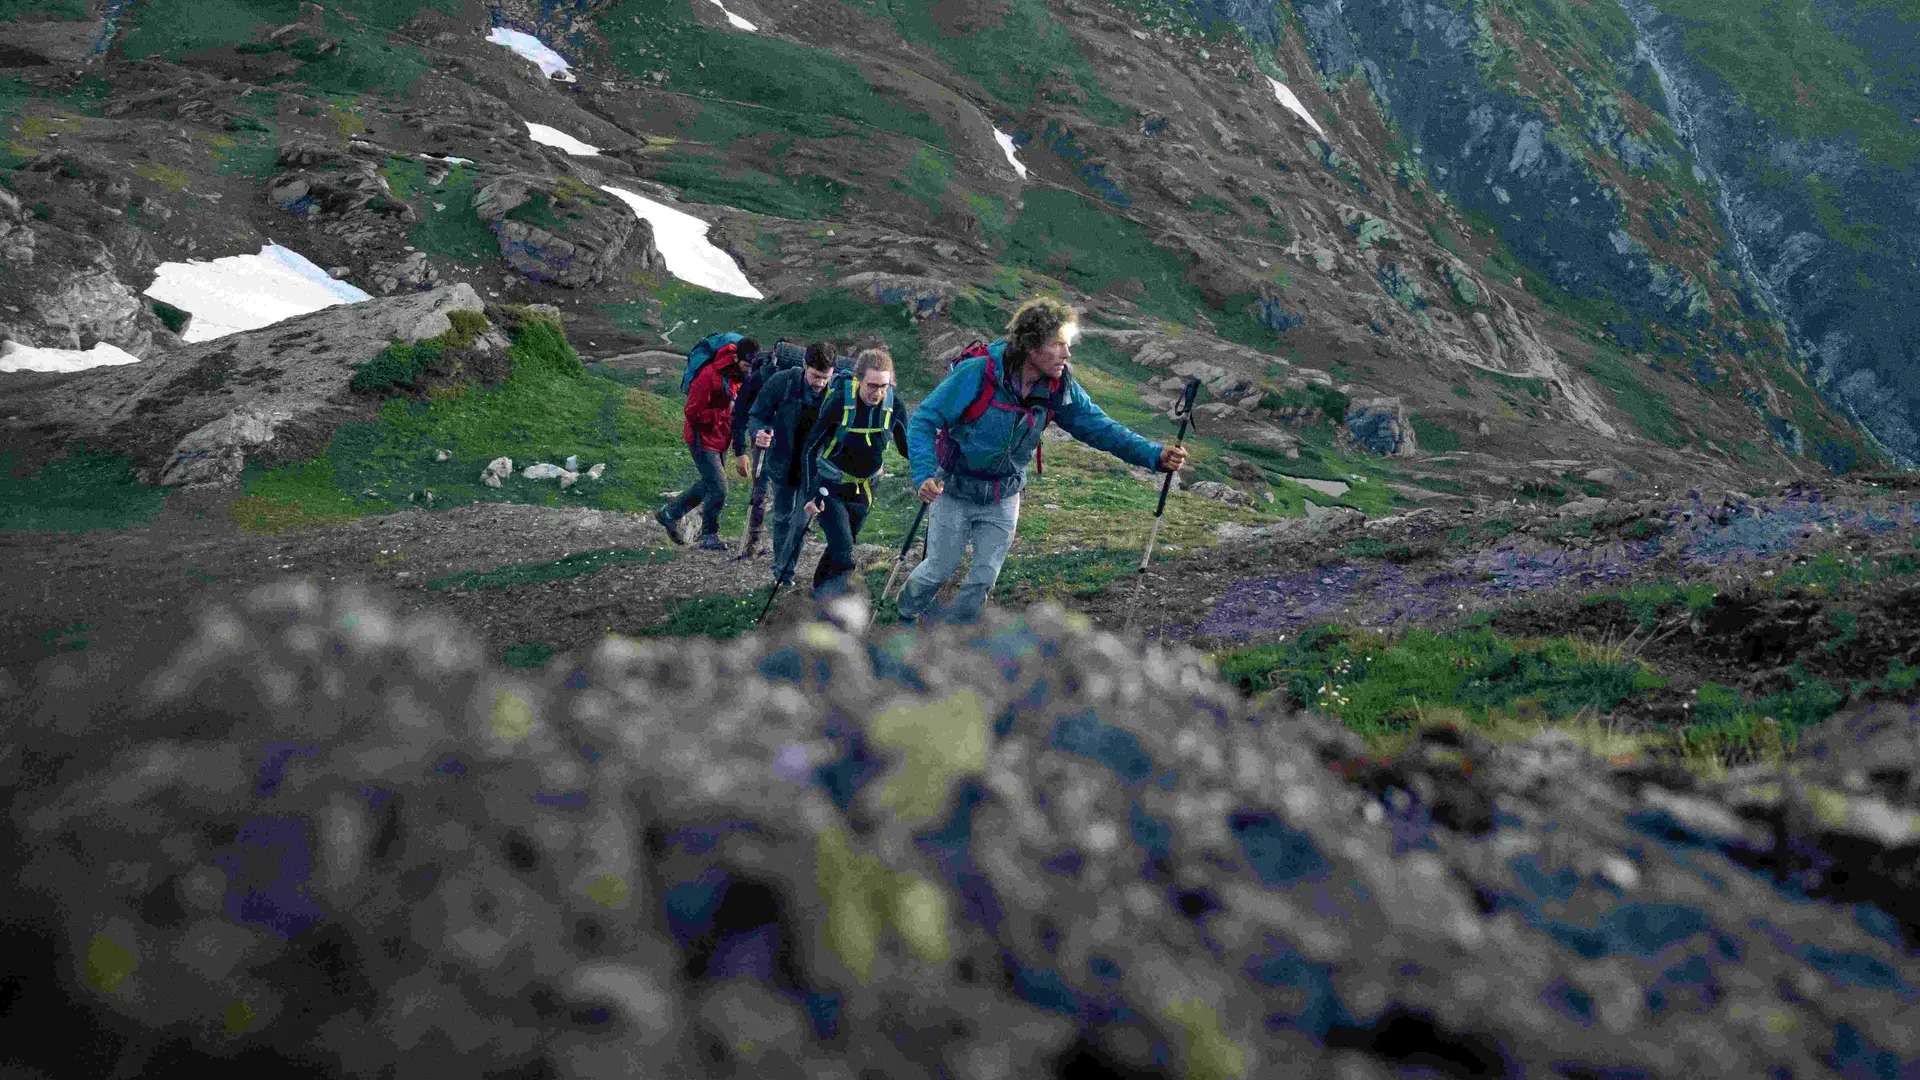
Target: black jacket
{"points": [[777, 408], [857, 457]]}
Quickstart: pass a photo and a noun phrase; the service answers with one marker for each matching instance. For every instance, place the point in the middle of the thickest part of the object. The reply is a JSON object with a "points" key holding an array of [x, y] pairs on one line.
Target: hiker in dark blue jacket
{"points": [[783, 416], [971, 469], [785, 356], [857, 417]]}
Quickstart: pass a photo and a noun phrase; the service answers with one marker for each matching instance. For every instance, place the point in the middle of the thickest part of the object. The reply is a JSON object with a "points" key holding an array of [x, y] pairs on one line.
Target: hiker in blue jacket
{"points": [[782, 418], [857, 416], [971, 439]]}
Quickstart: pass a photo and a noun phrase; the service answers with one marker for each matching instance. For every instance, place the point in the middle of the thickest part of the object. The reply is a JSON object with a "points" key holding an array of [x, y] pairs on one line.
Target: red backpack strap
{"points": [[989, 384]]}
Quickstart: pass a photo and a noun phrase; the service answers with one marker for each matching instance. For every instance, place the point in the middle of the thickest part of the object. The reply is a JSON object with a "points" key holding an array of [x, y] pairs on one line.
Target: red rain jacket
{"points": [[709, 406]]}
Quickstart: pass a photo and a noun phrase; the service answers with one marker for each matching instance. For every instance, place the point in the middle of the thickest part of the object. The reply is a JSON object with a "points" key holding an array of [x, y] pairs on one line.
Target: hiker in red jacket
{"points": [[709, 431]]}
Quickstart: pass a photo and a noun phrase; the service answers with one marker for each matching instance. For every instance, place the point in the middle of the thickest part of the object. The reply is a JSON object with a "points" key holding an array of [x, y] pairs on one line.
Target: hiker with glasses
{"points": [[783, 418], [857, 416], [972, 438]]}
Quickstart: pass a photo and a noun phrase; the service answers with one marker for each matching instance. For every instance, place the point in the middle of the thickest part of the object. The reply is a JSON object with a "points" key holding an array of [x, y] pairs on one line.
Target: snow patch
{"points": [[552, 64], [682, 240], [738, 22], [1006, 147], [548, 136], [247, 292], [17, 357], [448, 160], [1286, 98]]}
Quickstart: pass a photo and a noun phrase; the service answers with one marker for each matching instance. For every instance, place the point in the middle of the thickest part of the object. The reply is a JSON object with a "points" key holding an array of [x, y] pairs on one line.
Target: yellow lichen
{"points": [[107, 964], [512, 716], [937, 743], [1211, 1055]]}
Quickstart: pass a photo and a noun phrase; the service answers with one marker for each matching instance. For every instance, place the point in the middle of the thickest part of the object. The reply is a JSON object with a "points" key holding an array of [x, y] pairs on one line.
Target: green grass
{"points": [[711, 178], [1377, 684], [714, 615], [793, 86], [1829, 570], [1009, 48], [59, 9], [1516, 383], [528, 654], [579, 564], [447, 225], [1786, 64], [83, 491], [546, 409], [1076, 574], [369, 58], [1648, 408], [69, 638], [1650, 603], [1325, 398], [1434, 437], [1077, 241]]}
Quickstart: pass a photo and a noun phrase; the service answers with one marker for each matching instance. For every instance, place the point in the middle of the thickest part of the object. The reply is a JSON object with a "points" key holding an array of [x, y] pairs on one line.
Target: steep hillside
{"points": [[1477, 233]]}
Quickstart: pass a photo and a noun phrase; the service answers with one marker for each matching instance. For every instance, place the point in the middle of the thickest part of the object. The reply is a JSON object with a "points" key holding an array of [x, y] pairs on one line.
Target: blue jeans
{"points": [[840, 521], [952, 524], [710, 493]]}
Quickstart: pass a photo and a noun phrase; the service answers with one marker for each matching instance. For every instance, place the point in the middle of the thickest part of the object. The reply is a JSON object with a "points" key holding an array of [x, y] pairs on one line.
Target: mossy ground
{"points": [[83, 491]]}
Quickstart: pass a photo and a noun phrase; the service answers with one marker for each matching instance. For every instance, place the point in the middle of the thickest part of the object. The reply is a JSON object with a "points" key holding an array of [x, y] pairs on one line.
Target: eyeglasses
{"points": [[875, 388]]}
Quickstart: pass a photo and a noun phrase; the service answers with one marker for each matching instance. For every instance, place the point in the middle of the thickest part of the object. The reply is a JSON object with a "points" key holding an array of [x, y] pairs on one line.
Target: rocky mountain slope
{"points": [[1524, 265]]}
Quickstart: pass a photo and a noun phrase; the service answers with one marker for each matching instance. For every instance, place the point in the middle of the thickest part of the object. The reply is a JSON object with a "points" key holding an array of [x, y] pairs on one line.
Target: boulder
{"points": [[1381, 425], [497, 470], [560, 231], [294, 373], [217, 452], [1584, 508], [1219, 492], [923, 297], [807, 852]]}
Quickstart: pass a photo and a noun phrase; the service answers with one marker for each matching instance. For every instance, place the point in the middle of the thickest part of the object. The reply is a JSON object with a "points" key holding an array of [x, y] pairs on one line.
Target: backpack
{"points": [[882, 431], [787, 355], [946, 449], [706, 350]]}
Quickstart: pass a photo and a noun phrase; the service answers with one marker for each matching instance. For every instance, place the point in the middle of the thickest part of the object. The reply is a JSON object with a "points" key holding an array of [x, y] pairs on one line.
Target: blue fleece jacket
{"points": [[1001, 443]]}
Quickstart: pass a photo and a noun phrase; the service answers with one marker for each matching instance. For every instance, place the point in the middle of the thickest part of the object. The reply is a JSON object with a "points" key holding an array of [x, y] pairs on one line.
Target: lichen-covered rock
{"points": [[1381, 425], [1018, 849], [561, 231]]}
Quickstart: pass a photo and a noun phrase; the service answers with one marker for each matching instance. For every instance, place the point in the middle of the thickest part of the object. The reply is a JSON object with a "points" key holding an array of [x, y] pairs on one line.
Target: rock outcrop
{"points": [[560, 231], [193, 414], [331, 833]]}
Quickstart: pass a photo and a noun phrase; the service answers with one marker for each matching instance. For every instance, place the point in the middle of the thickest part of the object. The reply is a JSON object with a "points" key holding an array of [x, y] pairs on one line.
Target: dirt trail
{"points": [[83, 603]]}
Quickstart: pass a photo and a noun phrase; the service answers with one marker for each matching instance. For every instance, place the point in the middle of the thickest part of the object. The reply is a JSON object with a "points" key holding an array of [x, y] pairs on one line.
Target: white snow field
{"points": [[246, 292], [17, 357], [1006, 146], [552, 136], [682, 240], [738, 22], [1286, 98], [552, 64]]}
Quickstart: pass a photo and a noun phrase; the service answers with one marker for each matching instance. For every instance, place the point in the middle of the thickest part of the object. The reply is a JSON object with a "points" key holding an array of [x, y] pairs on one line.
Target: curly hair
{"points": [[1035, 324]]}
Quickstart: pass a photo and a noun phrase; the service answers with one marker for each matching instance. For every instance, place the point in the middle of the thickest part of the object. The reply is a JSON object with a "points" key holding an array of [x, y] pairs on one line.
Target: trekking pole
{"points": [[1186, 418], [901, 560], [785, 567]]}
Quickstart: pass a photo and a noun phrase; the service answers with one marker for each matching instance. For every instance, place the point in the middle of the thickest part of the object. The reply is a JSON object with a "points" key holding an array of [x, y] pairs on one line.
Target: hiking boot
{"points": [[751, 551], [672, 526], [711, 542]]}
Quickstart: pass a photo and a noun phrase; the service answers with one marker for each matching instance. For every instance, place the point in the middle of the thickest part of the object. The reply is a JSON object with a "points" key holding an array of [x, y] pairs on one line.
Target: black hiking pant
{"points": [[841, 522]]}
